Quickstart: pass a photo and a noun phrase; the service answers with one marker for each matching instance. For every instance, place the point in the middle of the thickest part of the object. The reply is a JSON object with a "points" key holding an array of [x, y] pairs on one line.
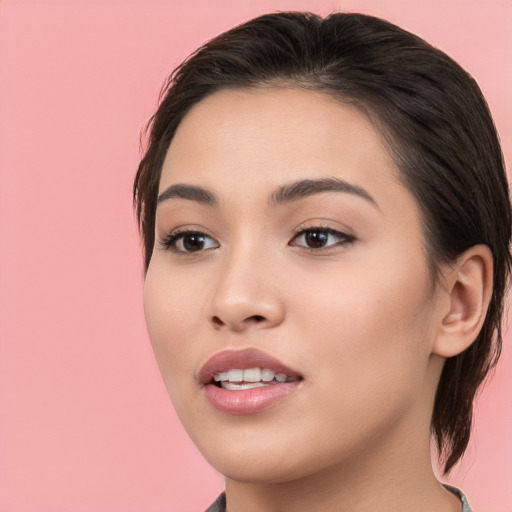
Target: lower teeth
{"points": [[232, 386]]}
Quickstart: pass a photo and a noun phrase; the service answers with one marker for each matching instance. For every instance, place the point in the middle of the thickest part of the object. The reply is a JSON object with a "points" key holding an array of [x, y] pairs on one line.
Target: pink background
{"points": [[85, 422]]}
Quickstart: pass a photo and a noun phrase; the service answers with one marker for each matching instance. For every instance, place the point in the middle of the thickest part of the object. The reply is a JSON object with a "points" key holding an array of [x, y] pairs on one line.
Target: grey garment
{"points": [[463, 499], [220, 503]]}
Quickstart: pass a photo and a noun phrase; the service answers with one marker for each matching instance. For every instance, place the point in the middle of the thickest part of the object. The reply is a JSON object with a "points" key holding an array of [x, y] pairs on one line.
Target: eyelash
{"points": [[343, 238], [172, 239]]}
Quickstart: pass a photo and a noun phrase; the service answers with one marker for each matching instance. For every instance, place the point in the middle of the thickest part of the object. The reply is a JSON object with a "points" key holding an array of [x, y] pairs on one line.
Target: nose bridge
{"points": [[246, 292]]}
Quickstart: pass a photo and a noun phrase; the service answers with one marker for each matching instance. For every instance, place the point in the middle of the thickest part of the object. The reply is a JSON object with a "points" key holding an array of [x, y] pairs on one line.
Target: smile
{"points": [[246, 381], [236, 379]]}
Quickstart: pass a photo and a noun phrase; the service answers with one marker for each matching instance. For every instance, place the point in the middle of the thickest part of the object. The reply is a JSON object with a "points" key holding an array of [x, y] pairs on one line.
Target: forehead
{"points": [[245, 141]]}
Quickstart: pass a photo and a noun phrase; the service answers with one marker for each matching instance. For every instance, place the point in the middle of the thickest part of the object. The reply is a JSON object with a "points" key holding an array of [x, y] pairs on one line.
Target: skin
{"points": [[359, 318]]}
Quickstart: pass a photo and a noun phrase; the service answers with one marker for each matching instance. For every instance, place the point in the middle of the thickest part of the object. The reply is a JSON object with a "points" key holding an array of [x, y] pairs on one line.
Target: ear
{"points": [[468, 284]]}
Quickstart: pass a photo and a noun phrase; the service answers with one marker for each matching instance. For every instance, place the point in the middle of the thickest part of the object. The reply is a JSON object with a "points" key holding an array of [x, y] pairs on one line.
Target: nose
{"points": [[246, 296]]}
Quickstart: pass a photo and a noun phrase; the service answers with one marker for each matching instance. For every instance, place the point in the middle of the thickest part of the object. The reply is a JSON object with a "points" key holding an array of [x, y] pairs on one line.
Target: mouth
{"points": [[236, 379], [246, 381]]}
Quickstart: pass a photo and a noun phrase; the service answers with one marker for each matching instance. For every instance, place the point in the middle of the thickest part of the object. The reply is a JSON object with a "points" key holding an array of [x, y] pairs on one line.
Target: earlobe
{"points": [[468, 284]]}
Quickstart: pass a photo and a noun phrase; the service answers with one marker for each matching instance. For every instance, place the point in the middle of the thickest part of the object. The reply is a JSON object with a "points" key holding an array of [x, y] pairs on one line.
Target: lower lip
{"points": [[248, 401]]}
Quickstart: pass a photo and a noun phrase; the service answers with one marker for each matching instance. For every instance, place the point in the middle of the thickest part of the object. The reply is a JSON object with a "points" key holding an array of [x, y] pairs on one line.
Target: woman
{"points": [[326, 226]]}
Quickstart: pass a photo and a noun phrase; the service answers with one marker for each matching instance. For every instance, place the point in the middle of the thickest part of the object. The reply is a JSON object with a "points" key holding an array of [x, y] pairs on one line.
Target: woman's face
{"points": [[286, 243]]}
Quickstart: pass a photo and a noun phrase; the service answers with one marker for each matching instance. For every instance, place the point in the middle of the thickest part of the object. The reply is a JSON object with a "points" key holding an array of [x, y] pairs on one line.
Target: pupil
{"points": [[316, 238], [193, 242]]}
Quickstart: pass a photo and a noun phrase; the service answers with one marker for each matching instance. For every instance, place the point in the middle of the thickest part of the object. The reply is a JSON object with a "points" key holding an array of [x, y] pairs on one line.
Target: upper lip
{"points": [[241, 360]]}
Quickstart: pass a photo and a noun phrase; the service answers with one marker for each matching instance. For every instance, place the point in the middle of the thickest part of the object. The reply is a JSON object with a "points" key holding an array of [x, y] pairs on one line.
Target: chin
{"points": [[264, 462], [263, 472]]}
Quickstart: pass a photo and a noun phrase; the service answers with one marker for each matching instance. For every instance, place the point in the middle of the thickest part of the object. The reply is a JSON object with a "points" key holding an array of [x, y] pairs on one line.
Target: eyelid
{"points": [[343, 237], [170, 239]]}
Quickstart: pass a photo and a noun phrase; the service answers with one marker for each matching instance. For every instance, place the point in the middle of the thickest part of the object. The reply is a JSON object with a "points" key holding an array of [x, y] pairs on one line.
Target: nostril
{"points": [[257, 318], [217, 321], [238, 322]]}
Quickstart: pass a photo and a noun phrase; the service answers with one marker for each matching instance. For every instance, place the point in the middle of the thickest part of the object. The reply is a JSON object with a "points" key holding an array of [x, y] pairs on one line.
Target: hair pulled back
{"points": [[436, 123]]}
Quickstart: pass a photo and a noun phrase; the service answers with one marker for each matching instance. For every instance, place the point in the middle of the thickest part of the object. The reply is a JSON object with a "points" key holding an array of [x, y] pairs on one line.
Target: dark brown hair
{"points": [[438, 128]]}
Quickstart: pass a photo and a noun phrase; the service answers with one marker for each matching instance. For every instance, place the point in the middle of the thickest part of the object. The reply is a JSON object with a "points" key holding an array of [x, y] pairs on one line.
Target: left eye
{"points": [[317, 238], [189, 241]]}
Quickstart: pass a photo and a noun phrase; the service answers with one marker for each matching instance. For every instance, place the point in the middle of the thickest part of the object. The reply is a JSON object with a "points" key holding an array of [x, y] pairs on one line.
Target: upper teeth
{"points": [[250, 375]]}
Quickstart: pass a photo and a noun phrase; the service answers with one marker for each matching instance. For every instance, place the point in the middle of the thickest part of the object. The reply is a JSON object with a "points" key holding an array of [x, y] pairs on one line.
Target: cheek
{"points": [[173, 310], [369, 327]]}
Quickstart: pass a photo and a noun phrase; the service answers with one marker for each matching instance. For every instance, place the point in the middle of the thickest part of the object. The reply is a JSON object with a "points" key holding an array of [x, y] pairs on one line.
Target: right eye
{"points": [[188, 242]]}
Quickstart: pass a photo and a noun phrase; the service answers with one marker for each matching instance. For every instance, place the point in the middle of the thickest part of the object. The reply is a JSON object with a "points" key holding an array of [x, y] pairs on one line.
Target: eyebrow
{"points": [[306, 188], [284, 194], [190, 192]]}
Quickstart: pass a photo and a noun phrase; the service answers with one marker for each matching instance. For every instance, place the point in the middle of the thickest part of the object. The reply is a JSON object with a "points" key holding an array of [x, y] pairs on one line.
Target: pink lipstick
{"points": [[246, 381]]}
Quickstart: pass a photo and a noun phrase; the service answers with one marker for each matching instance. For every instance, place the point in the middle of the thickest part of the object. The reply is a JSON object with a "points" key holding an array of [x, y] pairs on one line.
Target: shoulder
{"points": [[219, 505]]}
